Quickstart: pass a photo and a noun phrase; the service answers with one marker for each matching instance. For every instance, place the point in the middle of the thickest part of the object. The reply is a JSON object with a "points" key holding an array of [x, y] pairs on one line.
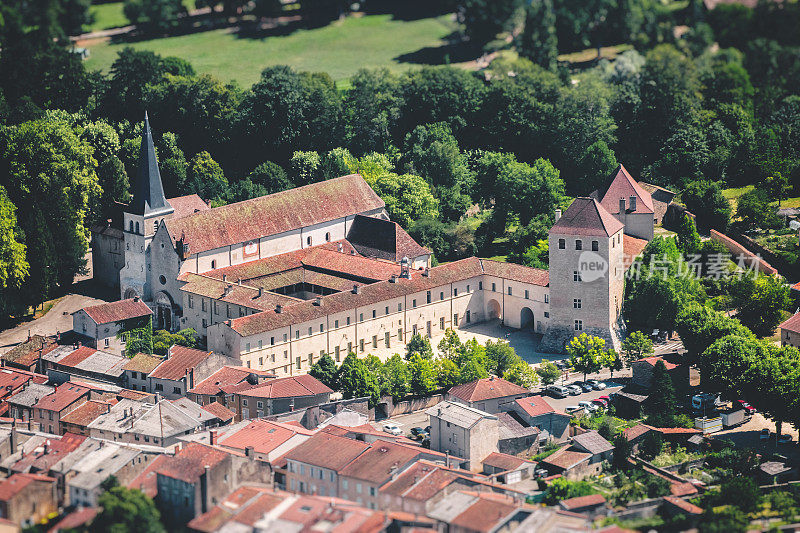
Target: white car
{"points": [[391, 427], [597, 385], [589, 406]]}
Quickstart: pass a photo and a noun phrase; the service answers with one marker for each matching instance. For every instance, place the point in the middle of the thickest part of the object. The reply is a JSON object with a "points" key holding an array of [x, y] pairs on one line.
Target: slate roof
{"points": [[624, 186], [273, 214], [585, 216], [384, 239], [593, 442], [486, 389], [31, 395], [461, 415], [512, 428], [178, 362], [148, 193], [167, 417], [117, 311], [791, 324]]}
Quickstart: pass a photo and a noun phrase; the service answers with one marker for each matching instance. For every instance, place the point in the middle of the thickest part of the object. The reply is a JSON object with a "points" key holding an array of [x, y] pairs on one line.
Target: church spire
{"points": [[148, 193]]}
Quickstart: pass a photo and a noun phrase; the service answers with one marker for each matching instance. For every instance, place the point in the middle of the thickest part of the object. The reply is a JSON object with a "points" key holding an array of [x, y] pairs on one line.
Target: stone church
{"points": [[277, 281]]}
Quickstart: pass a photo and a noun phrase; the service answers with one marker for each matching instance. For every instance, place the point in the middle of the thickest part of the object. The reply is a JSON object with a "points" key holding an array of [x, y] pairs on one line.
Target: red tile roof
{"points": [[327, 451], [585, 216], [378, 463], [566, 459], [78, 356], [636, 431], [274, 214], [632, 247], [523, 274], [583, 501], [117, 311], [187, 205], [504, 461], [75, 519], [486, 513], [678, 431], [188, 464], [682, 489], [486, 389], [288, 387], [58, 449], [791, 324], [536, 406], [179, 360], [15, 484], [86, 413], [264, 436], [220, 411], [624, 186], [684, 505], [65, 395], [653, 361], [225, 377]]}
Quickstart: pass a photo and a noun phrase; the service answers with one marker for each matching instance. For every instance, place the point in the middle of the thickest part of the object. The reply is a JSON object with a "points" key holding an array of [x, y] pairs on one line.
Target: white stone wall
{"points": [[639, 225]]}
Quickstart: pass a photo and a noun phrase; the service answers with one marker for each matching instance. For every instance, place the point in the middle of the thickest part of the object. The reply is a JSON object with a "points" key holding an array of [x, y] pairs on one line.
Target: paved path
{"points": [[58, 319]]}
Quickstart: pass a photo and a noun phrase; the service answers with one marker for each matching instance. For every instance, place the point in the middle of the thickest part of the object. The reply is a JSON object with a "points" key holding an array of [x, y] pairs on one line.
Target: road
{"points": [[748, 436]]}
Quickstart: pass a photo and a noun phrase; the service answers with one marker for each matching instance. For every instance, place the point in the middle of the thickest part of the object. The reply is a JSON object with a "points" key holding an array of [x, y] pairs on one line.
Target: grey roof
{"points": [[458, 414], [451, 506], [31, 395], [94, 468], [148, 193], [511, 428], [165, 417], [98, 362], [773, 468], [592, 442]]}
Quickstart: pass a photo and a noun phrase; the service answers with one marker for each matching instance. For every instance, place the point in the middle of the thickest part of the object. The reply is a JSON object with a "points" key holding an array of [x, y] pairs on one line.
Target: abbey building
{"points": [[277, 281]]}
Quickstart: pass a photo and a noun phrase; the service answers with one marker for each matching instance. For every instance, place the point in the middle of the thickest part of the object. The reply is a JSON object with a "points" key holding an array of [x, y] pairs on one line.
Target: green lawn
{"points": [[340, 48], [110, 15]]}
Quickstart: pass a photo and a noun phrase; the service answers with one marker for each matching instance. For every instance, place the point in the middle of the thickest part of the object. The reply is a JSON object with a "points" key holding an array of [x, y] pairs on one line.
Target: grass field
{"points": [[340, 48], [110, 15]]}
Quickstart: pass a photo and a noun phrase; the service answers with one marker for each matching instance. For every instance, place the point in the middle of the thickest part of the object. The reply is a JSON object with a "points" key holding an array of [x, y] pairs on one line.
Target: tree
{"points": [[336, 162], [501, 356], [688, 238], [760, 301], [484, 19], [753, 208], [447, 373], [726, 365], [699, 326], [325, 371], [704, 199], [661, 404], [205, 178], [724, 519], [419, 345], [562, 489], [305, 167], [548, 372], [651, 445], [741, 492], [612, 361], [473, 370], [623, 449], [775, 385], [636, 346], [407, 197], [138, 335], [397, 377], [521, 373], [587, 353], [156, 15], [372, 109], [163, 340], [450, 346], [125, 509], [538, 41], [271, 177], [423, 375], [433, 153], [356, 381]]}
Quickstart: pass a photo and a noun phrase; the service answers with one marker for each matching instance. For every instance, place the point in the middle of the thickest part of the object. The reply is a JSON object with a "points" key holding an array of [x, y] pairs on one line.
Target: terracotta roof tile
{"points": [[288, 387], [327, 451], [636, 431], [585, 216], [485, 514], [178, 362], [378, 463], [86, 413], [566, 459], [74, 520], [486, 389], [682, 489], [15, 484], [277, 213], [187, 205], [264, 436], [523, 274], [583, 501], [536, 406], [64, 395], [653, 361], [504, 461], [791, 324], [27, 353], [189, 463], [684, 505], [631, 247], [220, 411], [226, 377], [117, 311], [624, 186]]}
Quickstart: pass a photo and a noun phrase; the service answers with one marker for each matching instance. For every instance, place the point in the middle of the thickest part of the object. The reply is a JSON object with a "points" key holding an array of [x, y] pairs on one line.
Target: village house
{"points": [[102, 326], [78, 420], [28, 499], [68, 362], [491, 395], [790, 331], [20, 405], [263, 439], [313, 467], [180, 369], [279, 395], [507, 469], [25, 355], [679, 371], [218, 387], [50, 409], [537, 412], [137, 368], [465, 432]]}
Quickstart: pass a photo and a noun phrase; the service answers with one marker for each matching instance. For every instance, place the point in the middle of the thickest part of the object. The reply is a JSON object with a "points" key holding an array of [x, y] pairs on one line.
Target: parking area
{"points": [[748, 435], [405, 422], [562, 403]]}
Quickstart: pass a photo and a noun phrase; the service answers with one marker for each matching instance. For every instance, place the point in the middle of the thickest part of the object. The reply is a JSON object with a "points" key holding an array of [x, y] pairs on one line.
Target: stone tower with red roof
{"points": [[586, 276]]}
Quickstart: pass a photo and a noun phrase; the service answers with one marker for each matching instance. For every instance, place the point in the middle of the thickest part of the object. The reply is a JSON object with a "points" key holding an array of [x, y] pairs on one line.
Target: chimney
{"points": [[225, 277], [318, 301], [633, 203], [356, 289], [425, 272], [212, 437], [279, 308], [204, 496], [12, 438], [393, 279], [558, 214], [622, 205], [339, 247], [135, 298], [248, 451]]}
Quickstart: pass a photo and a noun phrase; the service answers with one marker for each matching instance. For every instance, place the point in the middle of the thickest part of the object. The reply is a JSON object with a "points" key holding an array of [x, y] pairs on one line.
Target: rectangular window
{"points": [[247, 347], [579, 325], [205, 323], [414, 329], [191, 302], [400, 335], [335, 323], [272, 341], [469, 317], [310, 330], [562, 244], [310, 359], [576, 303], [527, 294], [297, 334], [260, 361], [455, 319], [547, 314], [547, 298], [361, 317], [467, 289], [428, 296], [576, 276], [348, 321], [374, 341], [336, 352], [399, 307], [455, 290], [441, 295], [441, 323], [203, 304], [509, 291], [387, 309], [285, 337], [322, 328], [494, 287], [349, 348], [361, 345], [228, 311], [414, 303], [299, 363], [480, 285], [374, 313], [579, 244], [260, 344], [595, 246], [387, 336]]}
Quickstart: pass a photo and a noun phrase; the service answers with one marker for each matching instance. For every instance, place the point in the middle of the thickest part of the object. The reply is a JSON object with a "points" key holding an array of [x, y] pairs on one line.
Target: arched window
{"points": [[328, 237], [131, 228], [308, 240], [155, 226], [213, 264], [137, 228]]}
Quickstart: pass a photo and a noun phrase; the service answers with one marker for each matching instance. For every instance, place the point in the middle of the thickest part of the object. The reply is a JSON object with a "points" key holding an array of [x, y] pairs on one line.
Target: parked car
{"points": [[428, 430], [585, 386], [574, 389], [391, 427], [560, 363], [597, 385], [418, 433], [588, 405], [749, 409], [600, 403], [540, 472], [605, 397], [764, 435], [785, 439], [573, 408], [557, 391]]}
